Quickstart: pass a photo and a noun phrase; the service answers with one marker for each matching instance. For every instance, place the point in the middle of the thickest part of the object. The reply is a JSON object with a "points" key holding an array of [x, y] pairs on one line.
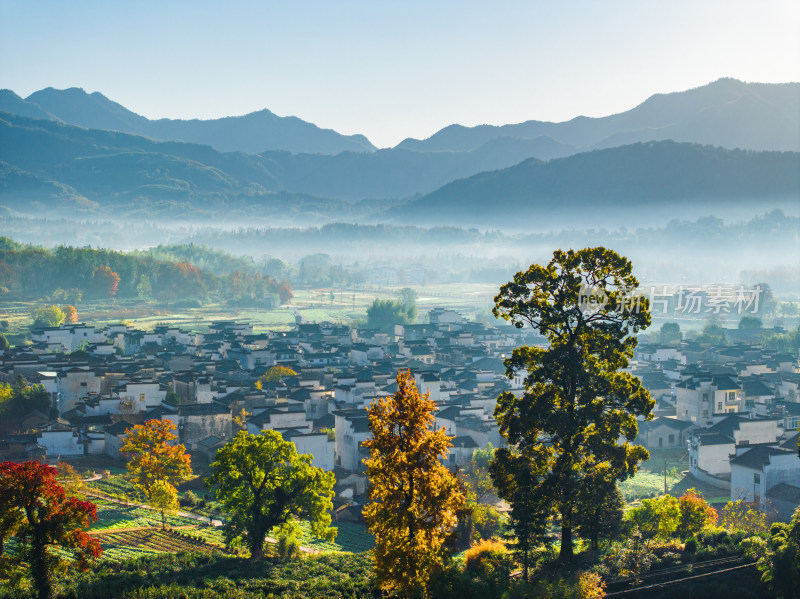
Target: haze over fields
{"points": [[79, 168]]}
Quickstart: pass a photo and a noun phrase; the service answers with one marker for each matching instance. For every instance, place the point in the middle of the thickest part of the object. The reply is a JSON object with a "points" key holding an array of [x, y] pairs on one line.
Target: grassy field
{"points": [[350, 537], [649, 480], [313, 305]]}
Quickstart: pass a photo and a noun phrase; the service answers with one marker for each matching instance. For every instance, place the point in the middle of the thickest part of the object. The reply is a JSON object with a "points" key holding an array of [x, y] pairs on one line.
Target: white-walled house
{"points": [[75, 383], [755, 471], [701, 398], [141, 395], [352, 429], [315, 444], [664, 433], [61, 441], [710, 448]]}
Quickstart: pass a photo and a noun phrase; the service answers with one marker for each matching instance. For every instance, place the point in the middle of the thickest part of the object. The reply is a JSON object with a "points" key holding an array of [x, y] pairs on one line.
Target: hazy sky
{"points": [[392, 70]]}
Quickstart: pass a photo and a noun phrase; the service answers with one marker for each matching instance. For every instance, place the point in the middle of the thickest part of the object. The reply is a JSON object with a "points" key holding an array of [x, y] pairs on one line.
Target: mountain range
{"points": [[636, 177], [251, 133], [68, 150], [727, 113]]}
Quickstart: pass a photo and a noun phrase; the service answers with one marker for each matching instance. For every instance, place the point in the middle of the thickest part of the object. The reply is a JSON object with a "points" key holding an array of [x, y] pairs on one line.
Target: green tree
{"points": [[600, 509], [713, 334], [766, 303], [275, 375], [383, 314], [164, 497], [19, 399], [780, 559], [750, 323], [144, 289], [481, 520], [414, 496], [156, 463], [476, 476], [263, 483], [409, 299], [49, 316], [4, 344], [656, 518], [741, 515], [578, 409], [518, 475], [670, 333]]}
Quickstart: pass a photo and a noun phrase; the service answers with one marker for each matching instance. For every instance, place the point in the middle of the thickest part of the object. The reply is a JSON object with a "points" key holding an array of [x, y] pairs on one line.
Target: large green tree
{"points": [[577, 412], [263, 483]]}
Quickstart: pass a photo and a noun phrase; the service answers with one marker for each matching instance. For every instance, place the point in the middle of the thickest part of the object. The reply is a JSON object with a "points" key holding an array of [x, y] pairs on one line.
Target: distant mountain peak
{"points": [[714, 113], [250, 133]]}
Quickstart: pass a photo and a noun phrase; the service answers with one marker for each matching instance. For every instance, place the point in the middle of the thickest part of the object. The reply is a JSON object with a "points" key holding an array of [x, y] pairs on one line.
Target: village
{"points": [[734, 408]]}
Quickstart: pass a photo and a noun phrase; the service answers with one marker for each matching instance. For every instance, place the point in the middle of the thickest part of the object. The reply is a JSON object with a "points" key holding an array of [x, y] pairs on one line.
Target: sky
{"points": [[391, 70]]}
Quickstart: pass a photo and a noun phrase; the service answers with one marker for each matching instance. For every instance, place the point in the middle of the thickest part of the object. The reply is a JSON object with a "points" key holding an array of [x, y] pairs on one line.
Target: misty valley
{"points": [[253, 357]]}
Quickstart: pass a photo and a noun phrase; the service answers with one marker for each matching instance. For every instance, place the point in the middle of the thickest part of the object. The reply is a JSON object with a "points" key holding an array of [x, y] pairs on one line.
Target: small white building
{"points": [[755, 471], [314, 444]]}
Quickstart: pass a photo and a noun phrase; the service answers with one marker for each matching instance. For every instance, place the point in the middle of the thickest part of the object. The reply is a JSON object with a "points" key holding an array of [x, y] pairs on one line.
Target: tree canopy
{"points": [[383, 314], [35, 509], [577, 403], [47, 316], [263, 483], [156, 464], [670, 333], [19, 399], [414, 496]]}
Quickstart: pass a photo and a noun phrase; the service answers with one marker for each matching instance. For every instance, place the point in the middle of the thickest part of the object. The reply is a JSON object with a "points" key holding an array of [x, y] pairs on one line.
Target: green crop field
{"points": [[135, 543], [114, 515], [350, 537]]}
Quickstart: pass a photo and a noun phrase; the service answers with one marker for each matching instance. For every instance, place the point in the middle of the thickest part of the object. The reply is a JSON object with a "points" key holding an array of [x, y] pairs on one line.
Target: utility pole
{"points": [[665, 477]]}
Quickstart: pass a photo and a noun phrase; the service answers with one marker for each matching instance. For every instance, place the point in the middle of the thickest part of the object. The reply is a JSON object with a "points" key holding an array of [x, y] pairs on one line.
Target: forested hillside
{"points": [[70, 273]]}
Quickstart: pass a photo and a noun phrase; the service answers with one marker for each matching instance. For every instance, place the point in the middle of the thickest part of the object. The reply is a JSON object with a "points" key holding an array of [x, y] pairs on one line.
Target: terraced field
{"points": [[114, 515], [128, 544]]}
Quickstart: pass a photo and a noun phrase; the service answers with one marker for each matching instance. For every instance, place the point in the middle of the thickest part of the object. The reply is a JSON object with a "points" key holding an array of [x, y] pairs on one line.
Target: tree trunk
{"points": [[40, 572], [257, 545], [163, 520], [525, 565], [566, 554]]}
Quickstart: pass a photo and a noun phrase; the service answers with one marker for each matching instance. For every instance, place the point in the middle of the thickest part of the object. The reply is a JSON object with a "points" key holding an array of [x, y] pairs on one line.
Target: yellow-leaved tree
{"points": [[156, 463], [414, 496]]}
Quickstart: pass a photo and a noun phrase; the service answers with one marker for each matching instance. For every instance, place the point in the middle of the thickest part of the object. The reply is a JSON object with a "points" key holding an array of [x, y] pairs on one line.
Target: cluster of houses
{"points": [[735, 409], [103, 381]]}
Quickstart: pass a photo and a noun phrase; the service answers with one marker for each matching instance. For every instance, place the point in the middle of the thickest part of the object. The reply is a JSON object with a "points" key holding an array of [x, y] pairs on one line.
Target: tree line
{"points": [[75, 274]]}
